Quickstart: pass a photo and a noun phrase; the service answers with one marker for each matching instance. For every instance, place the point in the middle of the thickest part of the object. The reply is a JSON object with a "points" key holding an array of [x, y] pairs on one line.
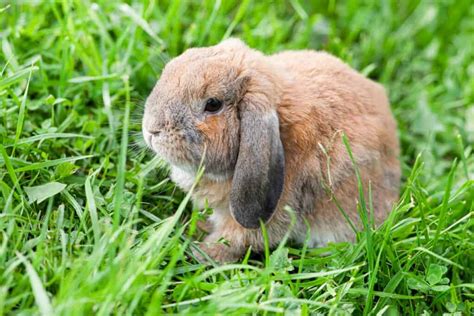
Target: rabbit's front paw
{"points": [[217, 251]]}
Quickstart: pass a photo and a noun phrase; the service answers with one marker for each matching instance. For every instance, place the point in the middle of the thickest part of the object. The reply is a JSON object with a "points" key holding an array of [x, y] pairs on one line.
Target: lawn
{"points": [[90, 223]]}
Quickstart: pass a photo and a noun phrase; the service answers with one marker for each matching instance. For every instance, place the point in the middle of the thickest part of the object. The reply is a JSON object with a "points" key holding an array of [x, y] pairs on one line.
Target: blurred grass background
{"points": [[73, 79]]}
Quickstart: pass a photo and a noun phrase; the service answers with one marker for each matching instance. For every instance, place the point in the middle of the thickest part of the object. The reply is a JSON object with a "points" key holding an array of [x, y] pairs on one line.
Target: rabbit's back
{"points": [[328, 81], [324, 98]]}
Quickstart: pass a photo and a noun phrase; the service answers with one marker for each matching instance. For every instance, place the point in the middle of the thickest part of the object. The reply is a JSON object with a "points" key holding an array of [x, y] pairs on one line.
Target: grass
{"points": [[90, 223]]}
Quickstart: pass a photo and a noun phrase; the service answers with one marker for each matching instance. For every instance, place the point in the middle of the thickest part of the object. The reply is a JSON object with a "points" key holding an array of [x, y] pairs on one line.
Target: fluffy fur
{"points": [[276, 142]]}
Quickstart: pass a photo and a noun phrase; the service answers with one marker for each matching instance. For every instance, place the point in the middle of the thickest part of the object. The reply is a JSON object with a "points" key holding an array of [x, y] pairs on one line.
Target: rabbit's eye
{"points": [[213, 105]]}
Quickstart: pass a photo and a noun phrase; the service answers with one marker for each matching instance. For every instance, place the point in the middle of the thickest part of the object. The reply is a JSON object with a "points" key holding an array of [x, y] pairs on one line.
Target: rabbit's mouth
{"points": [[174, 148], [188, 148]]}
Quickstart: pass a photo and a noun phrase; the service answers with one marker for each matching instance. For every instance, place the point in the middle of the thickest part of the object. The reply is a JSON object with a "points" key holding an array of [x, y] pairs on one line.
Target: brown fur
{"points": [[317, 98]]}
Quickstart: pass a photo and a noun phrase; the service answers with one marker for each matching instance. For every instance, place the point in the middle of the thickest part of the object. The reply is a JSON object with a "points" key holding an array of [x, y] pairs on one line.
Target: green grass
{"points": [[108, 233]]}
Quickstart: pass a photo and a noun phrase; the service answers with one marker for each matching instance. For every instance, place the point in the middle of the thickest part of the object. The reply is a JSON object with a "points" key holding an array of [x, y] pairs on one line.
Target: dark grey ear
{"points": [[259, 171]]}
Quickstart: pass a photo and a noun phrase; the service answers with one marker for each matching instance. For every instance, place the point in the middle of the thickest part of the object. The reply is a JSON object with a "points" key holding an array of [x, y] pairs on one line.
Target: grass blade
{"points": [[50, 163], [21, 115], [42, 137], [122, 156], [41, 297], [92, 210]]}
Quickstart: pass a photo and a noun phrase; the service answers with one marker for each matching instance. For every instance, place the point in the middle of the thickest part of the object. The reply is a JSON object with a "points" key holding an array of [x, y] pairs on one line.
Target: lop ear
{"points": [[259, 172]]}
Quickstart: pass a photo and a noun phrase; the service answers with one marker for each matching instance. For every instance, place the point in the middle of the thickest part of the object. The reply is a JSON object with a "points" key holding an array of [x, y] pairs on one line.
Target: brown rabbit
{"points": [[268, 129]]}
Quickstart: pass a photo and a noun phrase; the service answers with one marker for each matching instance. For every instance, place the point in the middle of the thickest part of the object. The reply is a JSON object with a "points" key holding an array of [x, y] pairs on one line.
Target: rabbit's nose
{"points": [[153, 126], [147, 137]]}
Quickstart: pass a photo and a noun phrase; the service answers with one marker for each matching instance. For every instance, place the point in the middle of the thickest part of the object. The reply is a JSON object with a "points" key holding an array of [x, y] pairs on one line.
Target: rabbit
{"points": [[268, 130]]}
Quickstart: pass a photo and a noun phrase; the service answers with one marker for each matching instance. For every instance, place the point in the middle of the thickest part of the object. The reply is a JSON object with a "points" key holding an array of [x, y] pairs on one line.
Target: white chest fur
{"points": [[183, 179], [215, 192]]}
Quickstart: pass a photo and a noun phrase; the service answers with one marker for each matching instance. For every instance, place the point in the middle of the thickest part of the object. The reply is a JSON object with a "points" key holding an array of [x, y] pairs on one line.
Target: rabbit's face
{"points": [[191, 114], [218, 105]]}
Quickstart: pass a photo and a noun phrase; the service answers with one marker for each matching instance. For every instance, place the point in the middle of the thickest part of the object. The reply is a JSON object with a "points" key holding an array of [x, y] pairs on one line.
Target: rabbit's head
{"points": [[218, 105]]}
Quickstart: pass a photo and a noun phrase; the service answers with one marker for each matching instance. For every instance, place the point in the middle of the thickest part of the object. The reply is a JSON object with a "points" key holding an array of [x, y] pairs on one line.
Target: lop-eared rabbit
{"points": [[268, 131]]}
